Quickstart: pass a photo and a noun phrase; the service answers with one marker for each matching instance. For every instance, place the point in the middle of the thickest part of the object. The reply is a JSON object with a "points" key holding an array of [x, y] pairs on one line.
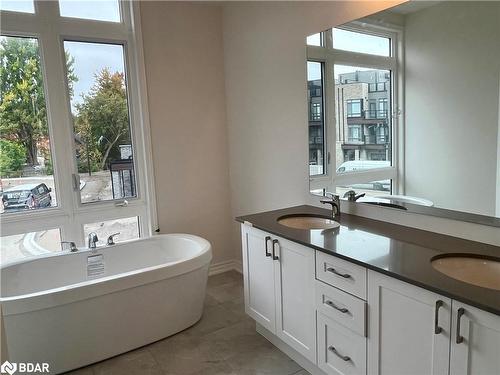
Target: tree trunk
{"points": [[108, 150]]}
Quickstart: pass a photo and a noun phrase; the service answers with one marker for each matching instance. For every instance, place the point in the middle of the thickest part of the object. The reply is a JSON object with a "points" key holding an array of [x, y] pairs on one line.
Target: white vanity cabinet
{"points": [[279, 288], [415, 331], [475, 341], [258, 274], [409, 328], [346, 320]]}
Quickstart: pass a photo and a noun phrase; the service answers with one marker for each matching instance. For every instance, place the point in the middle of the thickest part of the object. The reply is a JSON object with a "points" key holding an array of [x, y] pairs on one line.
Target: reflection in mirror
{"points": [[404, 107]]}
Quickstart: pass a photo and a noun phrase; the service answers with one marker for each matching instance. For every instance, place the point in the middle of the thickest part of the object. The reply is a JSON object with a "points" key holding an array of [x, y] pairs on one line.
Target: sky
{"points": [[89, 59]]}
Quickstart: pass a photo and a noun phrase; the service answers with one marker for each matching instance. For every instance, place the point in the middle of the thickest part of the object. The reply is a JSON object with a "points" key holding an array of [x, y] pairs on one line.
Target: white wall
{"points": [[185, 79], [452, 95]]}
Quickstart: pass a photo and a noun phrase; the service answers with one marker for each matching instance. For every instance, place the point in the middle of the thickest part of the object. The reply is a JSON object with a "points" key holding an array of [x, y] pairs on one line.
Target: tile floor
{"points": [[224, 341]]}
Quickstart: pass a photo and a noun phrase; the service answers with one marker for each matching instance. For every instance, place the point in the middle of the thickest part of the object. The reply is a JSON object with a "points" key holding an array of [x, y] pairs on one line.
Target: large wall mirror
{"points": [[404, 109]]}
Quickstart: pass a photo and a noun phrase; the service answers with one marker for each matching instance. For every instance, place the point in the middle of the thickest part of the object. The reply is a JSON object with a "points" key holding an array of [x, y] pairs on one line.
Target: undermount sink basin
{"points": [[308, 222], [473, 269]]}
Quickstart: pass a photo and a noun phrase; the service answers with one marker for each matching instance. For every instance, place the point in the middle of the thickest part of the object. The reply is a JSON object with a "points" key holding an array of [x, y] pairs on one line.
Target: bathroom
{"points": [[218, 151]]}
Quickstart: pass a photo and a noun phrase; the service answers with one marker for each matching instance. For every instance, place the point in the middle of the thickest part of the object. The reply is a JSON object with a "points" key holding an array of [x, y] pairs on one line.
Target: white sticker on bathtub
{"points": [[95, 266]]}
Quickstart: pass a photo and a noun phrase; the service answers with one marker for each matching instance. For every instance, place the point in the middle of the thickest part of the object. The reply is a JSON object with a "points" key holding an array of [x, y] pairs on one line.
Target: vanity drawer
{"points": [[341, 274], [342, 307], [339, 350]]}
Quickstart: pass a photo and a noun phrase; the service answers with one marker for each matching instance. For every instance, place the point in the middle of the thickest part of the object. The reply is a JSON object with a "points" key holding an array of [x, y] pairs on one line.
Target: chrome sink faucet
{"points": [[334, 202], [352, 197], [92, 241]]}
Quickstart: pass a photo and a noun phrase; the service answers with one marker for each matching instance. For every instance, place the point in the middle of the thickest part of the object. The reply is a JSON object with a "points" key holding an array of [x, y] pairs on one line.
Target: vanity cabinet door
{"points": [[409, 328], [258, 276], [295, 297], [475, 341]]}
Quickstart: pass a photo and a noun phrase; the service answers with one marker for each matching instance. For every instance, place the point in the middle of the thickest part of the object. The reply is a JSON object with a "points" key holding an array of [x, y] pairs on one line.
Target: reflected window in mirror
{"points": [[359, 42], [317, 145], [355, 70], [362, 120]]}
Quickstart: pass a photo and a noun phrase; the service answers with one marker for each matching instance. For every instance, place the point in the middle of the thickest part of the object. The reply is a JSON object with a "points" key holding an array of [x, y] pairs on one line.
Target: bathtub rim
{"points": [[48, 298]]}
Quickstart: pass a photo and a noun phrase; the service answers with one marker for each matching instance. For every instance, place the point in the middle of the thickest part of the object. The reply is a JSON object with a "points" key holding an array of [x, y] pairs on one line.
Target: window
{"points": [[315, 111], [371, 189], [20, 246], [72, 151], [359, 68], [122, 229], [354, 107], [103, 142], [102, 10], [362, 140], [316, 120], [315, 40], [354, 133], [355, 41], [24, 6], [25, 145]]}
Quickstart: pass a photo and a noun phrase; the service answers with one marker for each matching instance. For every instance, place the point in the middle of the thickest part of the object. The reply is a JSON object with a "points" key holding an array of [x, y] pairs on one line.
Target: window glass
{"points": [[370, 189], [25, 150], [362, 43], [127, 229], [314, 40], [363, 121], [25, 245], [102, 10], [316, 118], [24, 6], [103, 142]]}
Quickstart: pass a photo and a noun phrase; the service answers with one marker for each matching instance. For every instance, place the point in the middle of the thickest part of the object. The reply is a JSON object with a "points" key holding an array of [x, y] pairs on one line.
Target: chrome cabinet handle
{"points": [[267, 239], [334, 271], [460, 338], [334, 351], [437, 328], [275, 257], [341, 309]]}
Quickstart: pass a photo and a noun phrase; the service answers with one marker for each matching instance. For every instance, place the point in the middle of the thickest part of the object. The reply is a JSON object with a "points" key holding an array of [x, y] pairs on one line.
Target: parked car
{"points": [[27, 196], [363, 165]]}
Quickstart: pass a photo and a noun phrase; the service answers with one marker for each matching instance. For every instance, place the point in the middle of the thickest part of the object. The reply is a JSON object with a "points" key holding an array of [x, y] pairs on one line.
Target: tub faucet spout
{"points": [[92, 240]]}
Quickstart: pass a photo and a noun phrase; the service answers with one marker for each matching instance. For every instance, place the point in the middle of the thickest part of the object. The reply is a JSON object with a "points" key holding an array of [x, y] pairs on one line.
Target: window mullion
{"points": [[58, 113]]}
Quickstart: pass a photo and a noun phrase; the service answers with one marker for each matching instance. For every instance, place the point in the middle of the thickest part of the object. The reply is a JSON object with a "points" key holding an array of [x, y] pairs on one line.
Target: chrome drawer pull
{"points": [[437, 328], [275, 257], [459, 338], [267, 239], [342, 310], [334, 351], [333, 270]]}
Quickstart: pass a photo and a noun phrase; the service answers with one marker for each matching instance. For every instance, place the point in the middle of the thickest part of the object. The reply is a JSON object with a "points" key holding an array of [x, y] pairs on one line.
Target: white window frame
{"points": [[330, 56], [51, 30]]}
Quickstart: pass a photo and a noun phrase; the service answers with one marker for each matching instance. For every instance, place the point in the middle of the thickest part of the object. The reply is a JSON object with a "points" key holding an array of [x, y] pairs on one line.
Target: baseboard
{"points": [[228, 265]]}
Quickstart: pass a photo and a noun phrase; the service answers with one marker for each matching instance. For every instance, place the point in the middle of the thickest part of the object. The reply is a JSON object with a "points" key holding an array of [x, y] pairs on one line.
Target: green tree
{"points": [[23, 115], [102, 120], [12, 157]]}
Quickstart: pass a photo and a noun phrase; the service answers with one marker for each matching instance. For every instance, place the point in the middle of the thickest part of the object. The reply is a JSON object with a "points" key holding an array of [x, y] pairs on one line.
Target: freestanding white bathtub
{"points": [[73, 309]]}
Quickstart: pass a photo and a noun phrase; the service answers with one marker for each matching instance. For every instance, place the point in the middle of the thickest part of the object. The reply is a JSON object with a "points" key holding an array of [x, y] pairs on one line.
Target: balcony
{"points": [[370, 139], [368, 117]]}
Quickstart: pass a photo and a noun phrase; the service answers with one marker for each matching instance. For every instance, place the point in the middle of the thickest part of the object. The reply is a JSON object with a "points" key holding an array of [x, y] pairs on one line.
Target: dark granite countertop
{"points": [[395, 250]]}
